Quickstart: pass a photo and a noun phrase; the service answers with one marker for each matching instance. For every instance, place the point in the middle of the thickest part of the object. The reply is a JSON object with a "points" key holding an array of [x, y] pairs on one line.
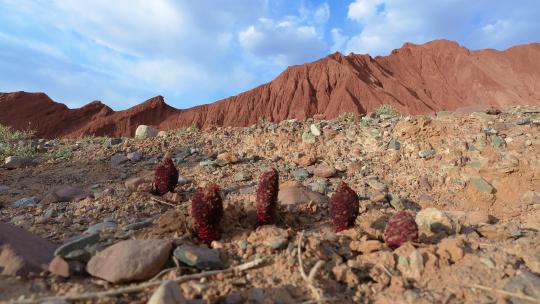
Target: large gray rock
{"points": [[16, 162], [167, 293], [22, 252], [131, 260], [144, 132]]}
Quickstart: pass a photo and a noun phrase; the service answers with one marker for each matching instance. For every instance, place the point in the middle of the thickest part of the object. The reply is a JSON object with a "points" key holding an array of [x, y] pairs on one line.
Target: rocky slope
{"points": [[436, 76], [471, 181]]}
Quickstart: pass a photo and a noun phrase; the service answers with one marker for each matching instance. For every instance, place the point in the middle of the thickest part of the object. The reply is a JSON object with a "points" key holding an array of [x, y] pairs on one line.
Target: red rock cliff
{"points": [[439, 75]]}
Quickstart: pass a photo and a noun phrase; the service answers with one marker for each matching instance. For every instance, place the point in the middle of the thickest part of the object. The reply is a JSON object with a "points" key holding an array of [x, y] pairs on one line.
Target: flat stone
{"points": [[144, 132], [394, 144], [139, 225], [523, 121], [324, 171], [270, 236], [469, 218], [118, 159], [376, 184], [78, 243], [524, 282], [434, 220], [112, 142], [300, 174], [292, 195], [493, 232], [25, 202], [426, 153], [531, 198], [167, 293], [131, 260], [17, 162], [65, 194], [319, 185], [366, 246], [396, 202], [498, 141], [101, 227], [22, 252], [198, 257], [4, 189], [134, 156], [242, 176], [481, 185]]}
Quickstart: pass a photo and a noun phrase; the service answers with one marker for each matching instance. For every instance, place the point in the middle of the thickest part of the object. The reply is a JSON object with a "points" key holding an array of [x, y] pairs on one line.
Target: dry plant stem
{"points": [[136, 288], [163, 272], [162, 202], [506, 293], [316, 292]]}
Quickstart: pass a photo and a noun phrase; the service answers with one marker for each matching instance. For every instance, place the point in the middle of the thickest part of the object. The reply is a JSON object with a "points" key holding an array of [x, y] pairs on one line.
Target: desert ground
{"points": [[471, 180]]}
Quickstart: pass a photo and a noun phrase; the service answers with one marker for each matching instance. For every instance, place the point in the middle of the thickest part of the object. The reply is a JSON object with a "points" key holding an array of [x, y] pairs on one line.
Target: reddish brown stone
{"points": [[22, 252], [60, 267]]}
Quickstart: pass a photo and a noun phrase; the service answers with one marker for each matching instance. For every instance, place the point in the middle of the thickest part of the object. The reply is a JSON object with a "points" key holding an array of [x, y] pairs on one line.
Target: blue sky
{"points": [[123, 52]]}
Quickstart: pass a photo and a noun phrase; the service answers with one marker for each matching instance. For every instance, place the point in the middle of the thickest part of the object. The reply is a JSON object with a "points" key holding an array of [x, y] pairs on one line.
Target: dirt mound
{"points": [[415, 79]]}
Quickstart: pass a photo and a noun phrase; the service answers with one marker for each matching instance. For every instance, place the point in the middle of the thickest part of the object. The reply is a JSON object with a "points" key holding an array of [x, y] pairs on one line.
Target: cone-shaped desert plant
{"points": [[207, 210], [401, 228], [165, 176], [343, 207], [267, 193]]}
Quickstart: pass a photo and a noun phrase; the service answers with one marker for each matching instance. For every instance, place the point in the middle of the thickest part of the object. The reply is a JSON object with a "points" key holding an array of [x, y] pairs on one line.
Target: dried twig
{"points": [[137, 288], [516, 295], [163, 272], [317, 293], [155, 199]]}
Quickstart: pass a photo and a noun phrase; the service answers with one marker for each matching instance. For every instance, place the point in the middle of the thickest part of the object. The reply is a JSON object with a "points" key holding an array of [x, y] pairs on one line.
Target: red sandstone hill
{"points": [[439, 75]]}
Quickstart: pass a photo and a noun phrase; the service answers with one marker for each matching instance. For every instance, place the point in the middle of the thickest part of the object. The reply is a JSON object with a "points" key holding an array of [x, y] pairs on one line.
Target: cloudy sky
{"points": [[192, 52]]}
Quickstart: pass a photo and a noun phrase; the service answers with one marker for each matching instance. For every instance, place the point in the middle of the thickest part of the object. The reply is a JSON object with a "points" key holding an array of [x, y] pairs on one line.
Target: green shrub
{"points": [[9, 143], [61, 153], [385, 109]]}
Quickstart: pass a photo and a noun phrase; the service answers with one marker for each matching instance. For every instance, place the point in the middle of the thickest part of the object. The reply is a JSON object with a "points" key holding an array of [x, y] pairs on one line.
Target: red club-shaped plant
{"points": [[165, 177], [207, 210], [401, 228], [267, 194], [343, 207]]}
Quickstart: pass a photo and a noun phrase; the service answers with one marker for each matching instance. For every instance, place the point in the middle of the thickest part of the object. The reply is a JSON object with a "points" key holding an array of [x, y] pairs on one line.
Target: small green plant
{"points": [[10, 146], [385, 109], [62, 153], [348, 116], [194, 127]]}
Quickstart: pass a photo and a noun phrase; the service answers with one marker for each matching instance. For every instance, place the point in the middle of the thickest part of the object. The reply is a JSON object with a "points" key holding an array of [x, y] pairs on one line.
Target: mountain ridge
{"points": [[414, 79]]}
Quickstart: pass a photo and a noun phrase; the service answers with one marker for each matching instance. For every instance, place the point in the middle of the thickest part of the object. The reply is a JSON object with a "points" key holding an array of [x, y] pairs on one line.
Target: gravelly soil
{"points": [[494, 236]]}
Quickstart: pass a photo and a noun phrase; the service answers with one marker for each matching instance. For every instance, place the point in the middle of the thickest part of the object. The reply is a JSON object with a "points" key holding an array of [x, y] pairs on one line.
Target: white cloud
{"points": [[363, 10], [338, 39], [386, 24], [322, 13], [291, 40]]}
